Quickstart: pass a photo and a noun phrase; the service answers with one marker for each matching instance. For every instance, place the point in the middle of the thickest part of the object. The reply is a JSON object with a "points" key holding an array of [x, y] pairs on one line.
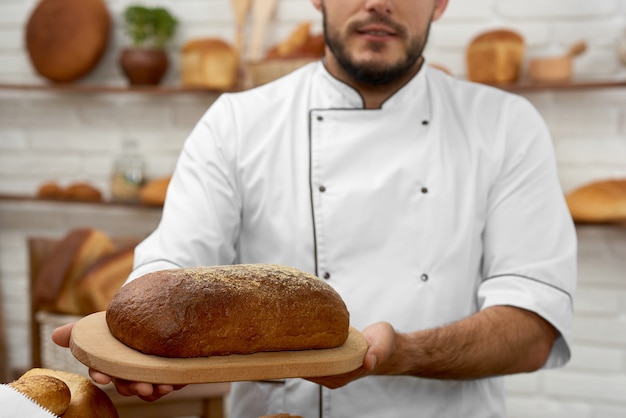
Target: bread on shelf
{"points": [[602, 201], [210, 63], [495, 57]]}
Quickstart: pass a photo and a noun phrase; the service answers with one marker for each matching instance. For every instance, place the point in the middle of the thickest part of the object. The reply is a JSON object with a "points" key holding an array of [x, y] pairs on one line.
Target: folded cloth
{"points": [[14, 404]]}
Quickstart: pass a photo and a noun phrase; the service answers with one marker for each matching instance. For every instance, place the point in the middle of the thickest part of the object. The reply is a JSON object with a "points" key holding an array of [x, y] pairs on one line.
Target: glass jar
{"points": [[128, 173]]}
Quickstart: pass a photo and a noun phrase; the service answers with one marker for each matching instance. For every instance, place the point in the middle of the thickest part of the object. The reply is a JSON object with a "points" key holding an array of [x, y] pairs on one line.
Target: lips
{"points": [[376, 30]]}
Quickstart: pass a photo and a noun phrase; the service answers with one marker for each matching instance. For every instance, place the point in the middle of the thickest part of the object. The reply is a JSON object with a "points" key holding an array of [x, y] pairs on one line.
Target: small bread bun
{"points": [[50, 190], [83, 192], [49, 392]]}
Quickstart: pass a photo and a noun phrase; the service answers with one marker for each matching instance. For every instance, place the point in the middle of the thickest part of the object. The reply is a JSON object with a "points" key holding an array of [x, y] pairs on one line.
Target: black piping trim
{"points": [[157, 260], [311, 192], [498, 276]]}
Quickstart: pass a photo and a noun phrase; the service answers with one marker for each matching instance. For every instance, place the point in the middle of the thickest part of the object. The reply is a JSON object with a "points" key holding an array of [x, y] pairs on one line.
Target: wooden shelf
{"points": [[102, 89], [530, 86], [27, 198], [521, 87]]}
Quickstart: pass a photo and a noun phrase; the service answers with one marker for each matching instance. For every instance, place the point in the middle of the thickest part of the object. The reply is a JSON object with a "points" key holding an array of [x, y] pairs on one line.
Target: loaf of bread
{"points": [[222, 310], [153, 193], [86, 399], [78, 191], [48, 392], [602, 201], [55, 286], [50, 190], [103, 279], [82, 192], [209, 63], [280, 416], [301, 43], [495, 56]]}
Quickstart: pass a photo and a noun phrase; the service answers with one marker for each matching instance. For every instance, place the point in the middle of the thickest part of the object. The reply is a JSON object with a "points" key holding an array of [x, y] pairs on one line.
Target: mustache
{"points": [[379, 19]]}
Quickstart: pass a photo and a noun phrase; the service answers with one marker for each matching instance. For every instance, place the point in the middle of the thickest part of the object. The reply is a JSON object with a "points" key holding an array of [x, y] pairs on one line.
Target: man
{"points": [[432, 205]]}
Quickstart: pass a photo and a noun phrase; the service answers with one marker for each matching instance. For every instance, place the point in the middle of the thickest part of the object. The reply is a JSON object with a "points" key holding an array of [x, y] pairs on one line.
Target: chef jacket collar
{"points": [[340, 95]]}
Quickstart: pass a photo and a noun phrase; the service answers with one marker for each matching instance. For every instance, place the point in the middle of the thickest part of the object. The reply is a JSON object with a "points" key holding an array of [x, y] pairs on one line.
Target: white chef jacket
{"points": [[443, 202]]}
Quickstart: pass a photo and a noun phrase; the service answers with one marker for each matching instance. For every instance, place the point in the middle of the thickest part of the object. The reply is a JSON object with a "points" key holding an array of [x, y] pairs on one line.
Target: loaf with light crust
{"points": [[222, 310], [48, 392], [601, 201], [86, 399]]}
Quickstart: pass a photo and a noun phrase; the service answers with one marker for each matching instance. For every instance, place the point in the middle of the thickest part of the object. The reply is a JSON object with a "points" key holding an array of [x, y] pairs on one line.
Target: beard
{"points": [[375, 73]]}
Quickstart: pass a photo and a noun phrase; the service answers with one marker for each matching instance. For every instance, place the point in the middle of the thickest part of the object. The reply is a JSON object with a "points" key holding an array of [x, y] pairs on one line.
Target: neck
{"points": [[373, 95]]}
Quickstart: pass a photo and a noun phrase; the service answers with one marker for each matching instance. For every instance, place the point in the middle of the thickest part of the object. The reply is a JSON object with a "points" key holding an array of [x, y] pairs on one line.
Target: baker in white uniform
{"points": [[432, 205]]}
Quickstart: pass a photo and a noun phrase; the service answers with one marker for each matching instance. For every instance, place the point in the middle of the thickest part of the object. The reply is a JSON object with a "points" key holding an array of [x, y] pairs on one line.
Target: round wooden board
{"points": [[93, 345]]}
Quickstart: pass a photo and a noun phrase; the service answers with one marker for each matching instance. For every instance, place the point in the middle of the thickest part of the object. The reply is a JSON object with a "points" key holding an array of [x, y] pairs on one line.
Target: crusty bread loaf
{"points": [[103, 279], [50, 190], [153, 193], [82, 192], [47, 391], [87, 400], [281, 416], [600, 201], [300, 43], [54, 289], [221, 310], [209, 63], [495, 56]]}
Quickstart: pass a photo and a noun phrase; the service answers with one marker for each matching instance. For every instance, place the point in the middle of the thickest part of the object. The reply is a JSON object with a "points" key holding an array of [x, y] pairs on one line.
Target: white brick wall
{"points": [[74, 136]]}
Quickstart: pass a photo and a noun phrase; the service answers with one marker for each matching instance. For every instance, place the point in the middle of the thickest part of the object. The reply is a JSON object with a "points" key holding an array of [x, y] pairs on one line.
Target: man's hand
{"points": [[145, 391], [381, 341], [498, 340]]}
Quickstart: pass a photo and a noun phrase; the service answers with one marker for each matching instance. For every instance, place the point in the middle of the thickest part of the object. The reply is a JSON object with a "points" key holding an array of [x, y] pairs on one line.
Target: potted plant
{"points": [[150, 29]]}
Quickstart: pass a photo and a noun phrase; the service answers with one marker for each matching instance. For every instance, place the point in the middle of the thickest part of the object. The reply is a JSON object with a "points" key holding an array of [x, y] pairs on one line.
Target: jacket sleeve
{"points": [[529, 238], [201, 215]]}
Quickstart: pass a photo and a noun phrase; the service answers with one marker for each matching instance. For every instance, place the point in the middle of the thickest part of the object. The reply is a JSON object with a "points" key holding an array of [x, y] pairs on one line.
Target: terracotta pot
{"points": [[144, 66]]}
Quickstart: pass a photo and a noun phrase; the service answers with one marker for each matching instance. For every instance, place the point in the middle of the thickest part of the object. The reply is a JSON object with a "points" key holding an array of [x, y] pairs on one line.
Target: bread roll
{"points": [[49, 392], [83, 192], [103, 279], [153, 193], [495, 57], [50, 190], [54, 289], [598, 202], [87, 400], [209, 63], [221, 310]]}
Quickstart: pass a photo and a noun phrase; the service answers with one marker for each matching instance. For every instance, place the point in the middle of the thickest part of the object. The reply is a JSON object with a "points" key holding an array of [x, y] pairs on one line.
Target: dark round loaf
{"points": [[222, 310]]}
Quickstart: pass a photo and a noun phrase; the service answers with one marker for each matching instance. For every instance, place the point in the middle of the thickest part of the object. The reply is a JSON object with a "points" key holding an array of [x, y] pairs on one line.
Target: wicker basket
{"points": [[53, 356], [261, 72]]}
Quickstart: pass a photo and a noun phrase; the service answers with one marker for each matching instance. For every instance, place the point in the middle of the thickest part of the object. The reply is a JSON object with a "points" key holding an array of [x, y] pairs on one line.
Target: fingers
{"points": [[101, 378], [61, 335], [381, 341], [146, 391]]}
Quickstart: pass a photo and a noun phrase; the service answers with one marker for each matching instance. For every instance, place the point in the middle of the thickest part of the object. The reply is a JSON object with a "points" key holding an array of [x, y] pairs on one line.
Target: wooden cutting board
{"points": [[66, 38], [93, 345]]}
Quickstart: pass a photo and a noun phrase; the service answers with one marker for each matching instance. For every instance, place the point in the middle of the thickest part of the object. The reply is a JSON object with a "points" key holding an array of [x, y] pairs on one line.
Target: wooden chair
{"points": [[199, 400]]}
